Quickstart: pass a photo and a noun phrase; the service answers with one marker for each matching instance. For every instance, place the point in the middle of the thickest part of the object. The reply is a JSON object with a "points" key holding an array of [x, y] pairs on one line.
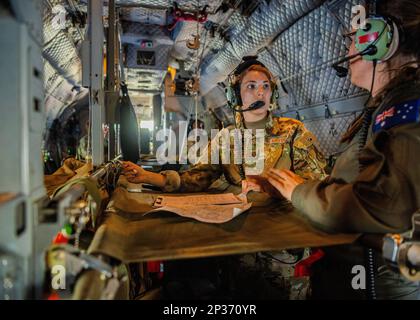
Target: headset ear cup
{"points": [[232, 96], [394, 44], [382, 43], [274, 95], [227, 94], [237, 95]]}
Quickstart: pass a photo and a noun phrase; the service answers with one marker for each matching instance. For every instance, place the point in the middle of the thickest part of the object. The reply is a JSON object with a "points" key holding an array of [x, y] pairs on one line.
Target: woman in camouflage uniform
{"points": [[287, 144]]}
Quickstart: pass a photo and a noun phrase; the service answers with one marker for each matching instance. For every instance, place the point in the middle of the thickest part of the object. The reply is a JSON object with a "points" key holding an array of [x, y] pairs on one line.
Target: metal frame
{"points": [[23, 238], [112, 82], [97, 110]]}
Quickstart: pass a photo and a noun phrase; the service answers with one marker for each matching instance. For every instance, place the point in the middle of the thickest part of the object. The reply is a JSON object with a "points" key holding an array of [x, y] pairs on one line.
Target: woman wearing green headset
{"points": [[374, 186]]}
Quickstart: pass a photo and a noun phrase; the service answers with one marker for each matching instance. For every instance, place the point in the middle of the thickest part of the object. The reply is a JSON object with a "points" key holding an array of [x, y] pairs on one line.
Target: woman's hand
{"points": [[285, 181], [259, 184], [134, 173], [249, 185]]}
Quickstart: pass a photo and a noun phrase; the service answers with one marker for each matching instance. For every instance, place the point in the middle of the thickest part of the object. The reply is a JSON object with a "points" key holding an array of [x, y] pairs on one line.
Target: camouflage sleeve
{"points": [[308, 160], [172, 181], [198, 178]]}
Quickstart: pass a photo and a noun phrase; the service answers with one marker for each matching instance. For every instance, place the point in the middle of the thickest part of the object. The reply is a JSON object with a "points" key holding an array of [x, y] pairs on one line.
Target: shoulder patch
{"points": [[403, 113]]}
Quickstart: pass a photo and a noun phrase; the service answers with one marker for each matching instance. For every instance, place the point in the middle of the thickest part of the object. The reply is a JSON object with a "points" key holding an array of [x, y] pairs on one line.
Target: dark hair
{"points": [[406, 14]]}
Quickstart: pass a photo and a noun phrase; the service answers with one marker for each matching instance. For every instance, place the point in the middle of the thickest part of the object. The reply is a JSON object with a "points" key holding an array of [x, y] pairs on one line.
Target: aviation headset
{"points": [[379, 39], [233, 91]]}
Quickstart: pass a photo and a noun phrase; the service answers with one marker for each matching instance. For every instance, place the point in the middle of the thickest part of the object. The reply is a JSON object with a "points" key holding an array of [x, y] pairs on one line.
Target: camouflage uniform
{"points": [[289, 145], [282, 135]]}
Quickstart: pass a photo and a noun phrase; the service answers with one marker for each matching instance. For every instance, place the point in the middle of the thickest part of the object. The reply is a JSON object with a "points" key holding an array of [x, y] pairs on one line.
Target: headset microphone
{"points": [[341, 71], [254, 106]]}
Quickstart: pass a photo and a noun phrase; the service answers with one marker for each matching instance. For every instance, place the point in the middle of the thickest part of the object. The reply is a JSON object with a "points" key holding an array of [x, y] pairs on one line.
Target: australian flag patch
{"points": [[403, 113]]}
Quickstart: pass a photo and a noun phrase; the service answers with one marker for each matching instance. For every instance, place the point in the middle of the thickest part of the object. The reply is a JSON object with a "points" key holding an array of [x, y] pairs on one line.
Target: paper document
{"points": [[212, 208], [197, 200]]}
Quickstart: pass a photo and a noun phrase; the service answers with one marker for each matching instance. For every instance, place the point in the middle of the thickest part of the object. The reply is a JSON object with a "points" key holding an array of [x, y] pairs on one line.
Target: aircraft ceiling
{"points": [[289, 36]]}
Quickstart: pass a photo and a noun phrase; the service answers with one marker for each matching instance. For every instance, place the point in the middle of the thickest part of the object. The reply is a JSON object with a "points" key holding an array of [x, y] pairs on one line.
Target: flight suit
{"points": [[375, 190], [288, 144]]}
